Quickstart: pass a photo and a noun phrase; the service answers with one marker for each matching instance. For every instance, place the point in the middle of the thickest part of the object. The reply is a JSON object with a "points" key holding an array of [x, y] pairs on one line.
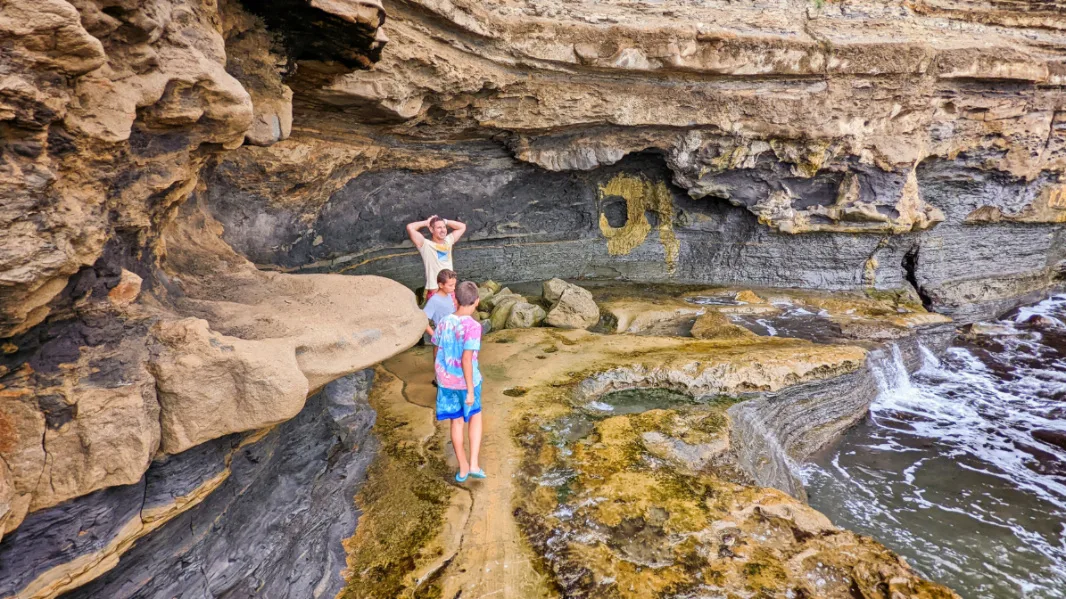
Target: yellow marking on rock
{"points": [[641, 195]]}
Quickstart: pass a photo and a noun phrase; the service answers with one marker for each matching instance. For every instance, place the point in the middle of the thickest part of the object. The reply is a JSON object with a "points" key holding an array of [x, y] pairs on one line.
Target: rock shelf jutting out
{"points": [[187, 188]]}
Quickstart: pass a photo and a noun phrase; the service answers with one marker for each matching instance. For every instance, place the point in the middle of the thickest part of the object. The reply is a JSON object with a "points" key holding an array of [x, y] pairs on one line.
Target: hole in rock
{"points": [[635, 401], [616, 213], [910, 268]]}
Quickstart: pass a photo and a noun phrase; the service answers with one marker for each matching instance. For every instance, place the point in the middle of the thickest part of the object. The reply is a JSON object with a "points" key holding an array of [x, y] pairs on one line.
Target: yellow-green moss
{"points": [[641, 196], [402, 503]]}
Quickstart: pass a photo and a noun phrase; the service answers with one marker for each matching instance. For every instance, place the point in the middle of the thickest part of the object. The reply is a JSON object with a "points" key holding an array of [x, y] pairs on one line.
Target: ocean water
{"points": [[961, 468]]}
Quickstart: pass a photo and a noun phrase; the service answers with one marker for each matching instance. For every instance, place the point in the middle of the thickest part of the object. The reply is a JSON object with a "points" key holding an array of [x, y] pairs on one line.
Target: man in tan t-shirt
{"points": [[437, 251]]}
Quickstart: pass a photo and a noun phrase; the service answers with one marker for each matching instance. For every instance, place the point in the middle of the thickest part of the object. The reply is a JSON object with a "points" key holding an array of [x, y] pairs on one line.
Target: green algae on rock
{"points": [[629, 527], [403, 504]]}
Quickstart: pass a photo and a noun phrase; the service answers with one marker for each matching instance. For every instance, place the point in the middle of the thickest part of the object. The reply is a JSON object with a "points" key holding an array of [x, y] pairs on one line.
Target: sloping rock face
{"points": [[134, 340], [276, 502]]}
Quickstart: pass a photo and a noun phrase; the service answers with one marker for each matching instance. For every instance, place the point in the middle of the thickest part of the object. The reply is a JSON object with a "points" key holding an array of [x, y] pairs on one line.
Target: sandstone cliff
{"points": [[854, 144]]}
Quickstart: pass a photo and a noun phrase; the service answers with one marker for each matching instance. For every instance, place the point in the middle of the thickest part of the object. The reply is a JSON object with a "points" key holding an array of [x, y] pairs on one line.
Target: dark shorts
{"points": [[451, 404]]}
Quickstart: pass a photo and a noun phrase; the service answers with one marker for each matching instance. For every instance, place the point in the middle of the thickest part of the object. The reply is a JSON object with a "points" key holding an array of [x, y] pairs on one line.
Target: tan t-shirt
{"points": [[436, 257]]}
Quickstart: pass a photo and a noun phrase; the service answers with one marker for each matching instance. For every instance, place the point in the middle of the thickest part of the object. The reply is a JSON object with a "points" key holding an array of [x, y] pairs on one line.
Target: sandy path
{"points": [[493, 559]]}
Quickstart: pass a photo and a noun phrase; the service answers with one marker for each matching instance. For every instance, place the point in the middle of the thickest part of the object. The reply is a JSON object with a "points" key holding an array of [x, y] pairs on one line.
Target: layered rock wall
{"points": [[841, 145], [243, 514], [902, 145], [131, 334]]}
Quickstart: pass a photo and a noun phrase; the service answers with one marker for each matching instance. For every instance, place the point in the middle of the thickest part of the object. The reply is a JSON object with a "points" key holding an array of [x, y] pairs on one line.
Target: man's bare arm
{"points": [[412, 232], [457, 228]]}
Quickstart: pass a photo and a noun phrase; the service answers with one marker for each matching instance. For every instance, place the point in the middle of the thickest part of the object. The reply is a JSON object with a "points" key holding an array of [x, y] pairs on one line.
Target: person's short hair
{"points": [[445, 275], [466, 293], [433, 221]]}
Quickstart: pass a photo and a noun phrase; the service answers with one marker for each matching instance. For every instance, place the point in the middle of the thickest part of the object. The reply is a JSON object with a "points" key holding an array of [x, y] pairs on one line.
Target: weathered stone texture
{"points": [[277, 502], [915, 147]]}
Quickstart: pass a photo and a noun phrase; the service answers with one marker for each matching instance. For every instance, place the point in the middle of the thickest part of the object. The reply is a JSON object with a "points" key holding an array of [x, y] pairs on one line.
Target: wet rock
{"points": [[1039, 321], [991, 329], [623, 507], [713, 324], [691, 458], [1056, 438]]}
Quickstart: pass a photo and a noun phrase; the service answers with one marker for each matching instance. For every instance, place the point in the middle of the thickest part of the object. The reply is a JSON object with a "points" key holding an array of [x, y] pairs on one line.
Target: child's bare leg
{"points": [[457, 444], [475, 441]]}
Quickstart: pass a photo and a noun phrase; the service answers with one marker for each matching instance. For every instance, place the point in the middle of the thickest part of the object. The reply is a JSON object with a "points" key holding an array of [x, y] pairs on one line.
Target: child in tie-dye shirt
{"points": [[458, 340]]}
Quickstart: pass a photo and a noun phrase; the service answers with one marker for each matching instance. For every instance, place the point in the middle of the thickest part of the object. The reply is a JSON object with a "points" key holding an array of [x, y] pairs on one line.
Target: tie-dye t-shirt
{"points": [[453, 335]]}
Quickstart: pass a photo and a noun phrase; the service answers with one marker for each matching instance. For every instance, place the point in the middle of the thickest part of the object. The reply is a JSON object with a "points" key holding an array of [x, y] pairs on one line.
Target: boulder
{"points": [[491, 301], [491, 286], [554, 289], [715, 325], [539, 314], [502, 311], [574, 310], [486, 326], [484, 293], [525, 315]]}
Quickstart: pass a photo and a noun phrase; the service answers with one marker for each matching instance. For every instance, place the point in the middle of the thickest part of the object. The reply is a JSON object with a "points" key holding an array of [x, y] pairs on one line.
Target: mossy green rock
{"points": [[524, 315], [502, 311]]}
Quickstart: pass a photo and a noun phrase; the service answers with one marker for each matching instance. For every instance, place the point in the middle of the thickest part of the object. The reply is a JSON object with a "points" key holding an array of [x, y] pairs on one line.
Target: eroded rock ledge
{"points": [[264, 512]]}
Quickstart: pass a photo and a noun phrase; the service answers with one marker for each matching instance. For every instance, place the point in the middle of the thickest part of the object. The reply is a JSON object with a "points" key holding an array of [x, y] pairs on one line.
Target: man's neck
{"points": [[465, 311]]}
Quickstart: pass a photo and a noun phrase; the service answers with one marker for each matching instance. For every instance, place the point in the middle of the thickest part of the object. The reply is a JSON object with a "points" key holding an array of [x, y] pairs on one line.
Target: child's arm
{"points": [[468, 375]]}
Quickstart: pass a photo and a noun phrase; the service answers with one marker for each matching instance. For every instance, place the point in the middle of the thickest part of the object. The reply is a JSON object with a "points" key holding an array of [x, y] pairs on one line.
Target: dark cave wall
{"points": [[526, 223]]}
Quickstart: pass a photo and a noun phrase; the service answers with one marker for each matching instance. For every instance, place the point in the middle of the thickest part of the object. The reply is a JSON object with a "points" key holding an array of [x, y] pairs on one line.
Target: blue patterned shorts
{"points": [[451, 403]]}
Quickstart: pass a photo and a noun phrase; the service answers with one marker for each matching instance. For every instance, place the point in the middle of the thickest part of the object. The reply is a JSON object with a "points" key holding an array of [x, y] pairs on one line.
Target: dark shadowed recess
{"points": [[527, 223], [308, 33]]}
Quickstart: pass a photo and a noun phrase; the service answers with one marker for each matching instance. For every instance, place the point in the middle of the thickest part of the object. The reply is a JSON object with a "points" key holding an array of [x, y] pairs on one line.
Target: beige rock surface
{"points": [[575, 309], [529, 375], [712, 324]]}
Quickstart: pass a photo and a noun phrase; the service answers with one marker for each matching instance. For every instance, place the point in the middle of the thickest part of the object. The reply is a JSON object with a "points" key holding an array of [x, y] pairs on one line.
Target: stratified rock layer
{"points": [[244, 514], [913, 148], [853, 144]]}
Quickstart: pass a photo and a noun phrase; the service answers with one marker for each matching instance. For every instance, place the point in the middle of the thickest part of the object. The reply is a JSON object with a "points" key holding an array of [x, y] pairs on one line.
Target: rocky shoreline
{"points": [[720, 442], [186, 184]]}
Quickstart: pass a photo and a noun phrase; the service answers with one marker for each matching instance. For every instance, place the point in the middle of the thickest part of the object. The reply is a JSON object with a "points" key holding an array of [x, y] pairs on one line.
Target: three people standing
{"points": [[456, 336]]}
